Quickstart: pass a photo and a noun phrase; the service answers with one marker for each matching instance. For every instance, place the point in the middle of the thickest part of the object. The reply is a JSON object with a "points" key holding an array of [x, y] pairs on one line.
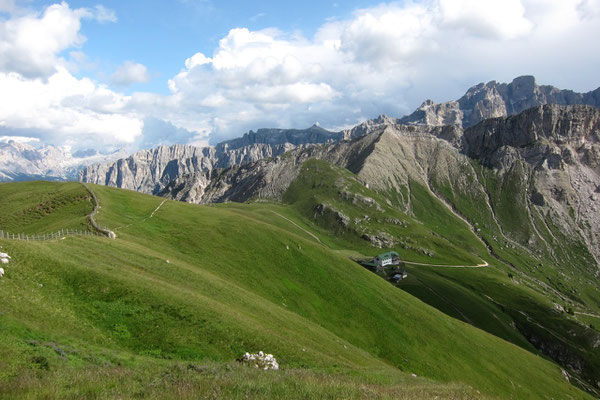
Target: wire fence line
{"points": [[62, 233], [47, 236]]}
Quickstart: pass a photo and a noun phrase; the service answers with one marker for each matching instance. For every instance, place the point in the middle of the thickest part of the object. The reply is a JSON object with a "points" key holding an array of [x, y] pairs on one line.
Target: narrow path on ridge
{"points": [[155, 210], [145, 219], [98, 228], [299, 227]]}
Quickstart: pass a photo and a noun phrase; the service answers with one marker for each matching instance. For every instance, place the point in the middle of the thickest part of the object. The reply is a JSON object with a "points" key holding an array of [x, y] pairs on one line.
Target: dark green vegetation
{"points": [[163, 310]]}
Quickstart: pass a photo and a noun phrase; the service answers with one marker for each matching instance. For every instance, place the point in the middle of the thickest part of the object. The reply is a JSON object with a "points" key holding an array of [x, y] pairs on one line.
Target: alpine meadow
{"points": [[398, 248]]}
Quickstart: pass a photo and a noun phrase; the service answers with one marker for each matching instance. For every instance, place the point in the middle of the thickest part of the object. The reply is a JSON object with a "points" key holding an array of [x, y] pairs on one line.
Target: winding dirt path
{"points": [[482, 265], [105, 231], [299, 227], [155, 210], [588, 314]]}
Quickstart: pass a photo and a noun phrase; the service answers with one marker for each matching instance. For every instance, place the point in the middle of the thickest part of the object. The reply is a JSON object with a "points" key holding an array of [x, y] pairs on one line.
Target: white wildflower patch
{"points": [[260, 360]]}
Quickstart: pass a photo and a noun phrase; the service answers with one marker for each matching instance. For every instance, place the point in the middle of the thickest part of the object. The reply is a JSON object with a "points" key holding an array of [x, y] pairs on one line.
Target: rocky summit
{"points": [[493, 99]]}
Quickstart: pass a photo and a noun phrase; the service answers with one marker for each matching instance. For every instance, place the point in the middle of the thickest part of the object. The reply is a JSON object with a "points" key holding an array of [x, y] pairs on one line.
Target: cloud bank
{"points": [[383, 59]]}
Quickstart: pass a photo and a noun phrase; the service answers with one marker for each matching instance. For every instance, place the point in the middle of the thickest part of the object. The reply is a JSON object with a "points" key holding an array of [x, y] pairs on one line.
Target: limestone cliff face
{"points": [[492, 99], [150, 171], [314, 134], [557, 152]]}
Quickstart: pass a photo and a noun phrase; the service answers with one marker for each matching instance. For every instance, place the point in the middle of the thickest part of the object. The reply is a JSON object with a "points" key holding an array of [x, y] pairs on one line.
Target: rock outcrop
{"points": [[557, 149], [176, 166], [493, 99]]}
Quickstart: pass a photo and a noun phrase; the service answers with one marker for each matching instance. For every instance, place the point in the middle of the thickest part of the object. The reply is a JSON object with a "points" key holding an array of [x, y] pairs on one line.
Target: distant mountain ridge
{"points": [[482, 101], [153, 171], [150, 171], [314, 134], [493, 99], [21, 161]]}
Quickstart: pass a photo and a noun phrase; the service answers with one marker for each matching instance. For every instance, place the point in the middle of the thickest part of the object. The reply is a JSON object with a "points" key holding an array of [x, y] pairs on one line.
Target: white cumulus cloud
{"points": [[129, 73], [382, 59], [40, 98], [30, 44], [66, 109]]}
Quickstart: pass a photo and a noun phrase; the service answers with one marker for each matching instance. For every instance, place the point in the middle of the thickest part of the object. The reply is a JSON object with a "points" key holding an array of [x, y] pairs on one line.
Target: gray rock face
{"points": [[263, 179], [568, 127], [559, 150], [314, 134], [152, 171], [492, 99]]}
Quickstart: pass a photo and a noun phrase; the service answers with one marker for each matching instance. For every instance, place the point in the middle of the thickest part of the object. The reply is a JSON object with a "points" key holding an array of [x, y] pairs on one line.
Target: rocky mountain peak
{"points": [[277, 136], [564, 133], [493, 99]]}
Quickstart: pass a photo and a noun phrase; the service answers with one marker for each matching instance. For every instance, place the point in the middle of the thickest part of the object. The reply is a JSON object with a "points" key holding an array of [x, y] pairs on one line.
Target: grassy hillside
{"points": [[52, 207], [506, 299], [163, 310], [322, 185]]}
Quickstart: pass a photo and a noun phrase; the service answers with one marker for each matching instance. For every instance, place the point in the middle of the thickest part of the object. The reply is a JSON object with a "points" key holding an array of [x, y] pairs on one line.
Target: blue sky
{"points": [[134, 74], [163, 34]]}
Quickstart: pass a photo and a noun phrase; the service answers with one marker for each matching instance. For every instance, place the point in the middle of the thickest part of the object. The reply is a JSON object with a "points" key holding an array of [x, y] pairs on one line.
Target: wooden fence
{"points": [[98, 230], [48, 236]]}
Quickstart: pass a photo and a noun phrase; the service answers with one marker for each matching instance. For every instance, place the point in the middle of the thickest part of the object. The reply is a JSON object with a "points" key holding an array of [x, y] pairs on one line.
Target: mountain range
{"points": [[23, 162], [517, 166], [151, 171]]}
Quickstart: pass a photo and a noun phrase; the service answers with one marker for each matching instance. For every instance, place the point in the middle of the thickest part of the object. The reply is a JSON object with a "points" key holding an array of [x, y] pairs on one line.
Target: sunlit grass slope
{"points": [[163, 310], [370, 213], [42, 207]]}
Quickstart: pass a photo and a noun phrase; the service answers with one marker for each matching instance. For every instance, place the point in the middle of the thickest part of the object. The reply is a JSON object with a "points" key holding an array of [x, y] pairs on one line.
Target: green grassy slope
{"points": [[164, 309], [321, 183], [551, 270], [517, 308], [53, 207]]}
